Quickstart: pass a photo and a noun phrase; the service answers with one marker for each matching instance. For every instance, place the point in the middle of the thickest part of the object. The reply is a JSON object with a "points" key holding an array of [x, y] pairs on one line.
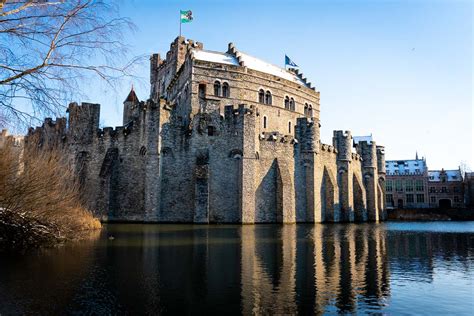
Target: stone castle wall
{"points": [[187, 155]]}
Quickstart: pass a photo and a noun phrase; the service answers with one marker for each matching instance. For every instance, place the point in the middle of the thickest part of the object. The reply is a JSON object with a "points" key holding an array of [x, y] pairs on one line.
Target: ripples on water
{"points": [[393, 268]]}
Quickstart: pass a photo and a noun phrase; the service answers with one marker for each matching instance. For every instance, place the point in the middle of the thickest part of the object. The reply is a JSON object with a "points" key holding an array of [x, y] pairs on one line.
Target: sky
{"points": [[399, 70]]}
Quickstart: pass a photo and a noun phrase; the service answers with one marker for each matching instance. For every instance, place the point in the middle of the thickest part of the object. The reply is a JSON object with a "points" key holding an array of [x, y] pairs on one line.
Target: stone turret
{"points": [[342, 141], [381, 160], [308, 134], [368, 152], [83, 122], [130, 107]]}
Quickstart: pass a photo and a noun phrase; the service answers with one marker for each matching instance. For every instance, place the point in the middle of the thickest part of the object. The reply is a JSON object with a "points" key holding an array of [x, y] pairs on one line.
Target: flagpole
{"points": [[179, 23]]}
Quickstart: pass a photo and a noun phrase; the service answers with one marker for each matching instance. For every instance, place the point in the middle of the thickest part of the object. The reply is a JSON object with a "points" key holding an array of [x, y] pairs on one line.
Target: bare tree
{"points": [[48, 48]]}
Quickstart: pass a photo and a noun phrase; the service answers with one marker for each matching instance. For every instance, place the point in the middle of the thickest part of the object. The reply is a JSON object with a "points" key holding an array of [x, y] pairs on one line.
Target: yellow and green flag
{"points": [[186, 16]]}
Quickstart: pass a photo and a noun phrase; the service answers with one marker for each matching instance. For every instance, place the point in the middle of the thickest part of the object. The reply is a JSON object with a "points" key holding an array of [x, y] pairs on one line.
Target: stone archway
{"points": [[380, 202], [284, 195], [328, 207], [360, 209]]}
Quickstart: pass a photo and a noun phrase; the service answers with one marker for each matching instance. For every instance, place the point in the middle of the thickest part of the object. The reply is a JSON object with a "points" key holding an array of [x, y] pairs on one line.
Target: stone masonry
{"points": [[223, 138]]}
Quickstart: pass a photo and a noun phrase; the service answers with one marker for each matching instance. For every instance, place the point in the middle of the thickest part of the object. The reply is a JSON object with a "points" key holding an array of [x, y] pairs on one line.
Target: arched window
{"points": [[306, 109], [268, 97], [261, 96], [225, 90], [264, 122], [289, 127], [310, 111], [292, 104], [287, 103], [217, 88]]}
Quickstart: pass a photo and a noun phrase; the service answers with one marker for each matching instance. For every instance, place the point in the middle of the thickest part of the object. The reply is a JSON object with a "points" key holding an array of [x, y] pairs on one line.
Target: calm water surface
{"points": [[392, 268]]}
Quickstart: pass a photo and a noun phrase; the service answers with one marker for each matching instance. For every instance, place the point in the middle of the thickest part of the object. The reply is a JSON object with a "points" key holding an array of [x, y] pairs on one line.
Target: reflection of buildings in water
{"points": [[268, 269], [310, 269], [415, 254]]}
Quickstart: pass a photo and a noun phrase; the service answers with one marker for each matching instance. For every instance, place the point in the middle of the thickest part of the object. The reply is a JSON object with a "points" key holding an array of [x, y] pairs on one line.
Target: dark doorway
{"points": [[444, 203], [400, 203]]}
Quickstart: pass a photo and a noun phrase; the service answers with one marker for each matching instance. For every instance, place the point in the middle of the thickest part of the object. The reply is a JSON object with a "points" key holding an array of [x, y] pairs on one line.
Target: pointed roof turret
{"points": [[416, 157], [132, 96]]}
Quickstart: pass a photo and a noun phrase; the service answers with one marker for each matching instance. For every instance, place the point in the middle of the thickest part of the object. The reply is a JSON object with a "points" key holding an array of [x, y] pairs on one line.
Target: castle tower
{"points": [[307, 134], [381, 180], [342, 141], [83, 122], [130, 107], [163, 71], [368, 152]]}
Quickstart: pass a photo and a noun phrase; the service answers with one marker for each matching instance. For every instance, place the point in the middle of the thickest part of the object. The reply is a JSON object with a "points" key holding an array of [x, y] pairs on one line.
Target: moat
{"points": [[391, 268]]}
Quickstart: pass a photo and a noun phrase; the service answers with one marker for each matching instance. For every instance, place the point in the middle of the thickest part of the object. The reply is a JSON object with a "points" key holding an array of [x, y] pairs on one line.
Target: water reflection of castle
{"points": [[261, 269], [337, 267], [271, 269]]}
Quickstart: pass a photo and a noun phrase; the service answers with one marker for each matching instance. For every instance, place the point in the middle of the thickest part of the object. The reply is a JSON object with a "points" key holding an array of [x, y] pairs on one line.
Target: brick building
{"points": [[406, 184], [409, 184], [445, 188], [469, 190]]}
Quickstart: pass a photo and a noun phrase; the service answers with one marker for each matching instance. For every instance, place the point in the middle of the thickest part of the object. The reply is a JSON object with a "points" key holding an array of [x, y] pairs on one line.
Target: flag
{"points": [[289, 62], [186, 16]]}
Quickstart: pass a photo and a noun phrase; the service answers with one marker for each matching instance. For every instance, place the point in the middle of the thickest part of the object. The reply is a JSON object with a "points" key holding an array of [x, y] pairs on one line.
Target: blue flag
{"points": [[289, 62]]}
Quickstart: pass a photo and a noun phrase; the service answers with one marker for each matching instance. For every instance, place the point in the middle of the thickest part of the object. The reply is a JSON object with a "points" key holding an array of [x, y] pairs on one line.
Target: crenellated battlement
{"points": [[277, 138], [232, 112], [328, 148], [300, 75]]}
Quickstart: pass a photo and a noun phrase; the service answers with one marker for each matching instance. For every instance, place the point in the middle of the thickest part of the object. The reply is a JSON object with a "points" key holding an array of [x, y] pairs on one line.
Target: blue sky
{"points": [[401, 70]]}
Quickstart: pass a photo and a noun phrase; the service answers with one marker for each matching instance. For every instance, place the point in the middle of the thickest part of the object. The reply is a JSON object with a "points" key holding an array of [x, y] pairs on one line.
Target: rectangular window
{"points": [[409, 185], [390, 199], [420, 198], [419, 185], [433, 199], [456, 199], [388, 186], [456, 189], [410, 198], [398, 185], [202, 90], [443, 189], [432, 190]]}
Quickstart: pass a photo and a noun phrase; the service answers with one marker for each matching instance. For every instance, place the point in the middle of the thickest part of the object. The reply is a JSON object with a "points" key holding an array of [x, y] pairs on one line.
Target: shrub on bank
{"points": [[39, 198]]}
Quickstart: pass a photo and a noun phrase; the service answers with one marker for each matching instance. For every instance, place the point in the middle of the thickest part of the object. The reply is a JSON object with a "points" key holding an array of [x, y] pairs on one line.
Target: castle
{"points": [[223, 138]]}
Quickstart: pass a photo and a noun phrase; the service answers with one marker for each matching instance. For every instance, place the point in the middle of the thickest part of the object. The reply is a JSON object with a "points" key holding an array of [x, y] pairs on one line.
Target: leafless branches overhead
{"points": [[48, 48]]}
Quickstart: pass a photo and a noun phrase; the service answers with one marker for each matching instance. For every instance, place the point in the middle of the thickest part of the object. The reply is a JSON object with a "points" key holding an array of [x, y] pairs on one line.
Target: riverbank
{"points": [[430, 214]]}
